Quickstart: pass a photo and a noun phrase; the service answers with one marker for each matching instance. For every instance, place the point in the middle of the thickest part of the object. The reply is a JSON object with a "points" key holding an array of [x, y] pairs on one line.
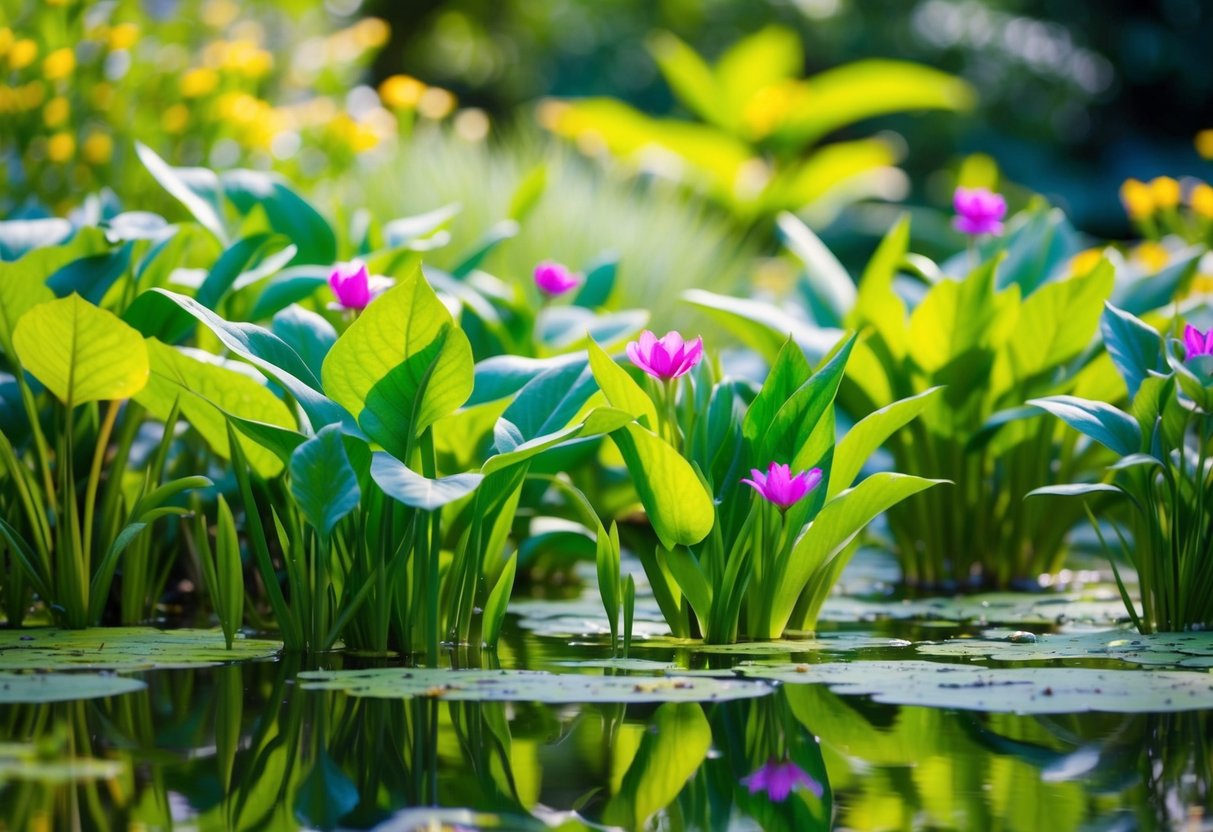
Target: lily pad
{"points": [[1179, 649], [827, 643], [527, 686], [1100, 606], [35, 688], [124, 648], [1031, 690]]}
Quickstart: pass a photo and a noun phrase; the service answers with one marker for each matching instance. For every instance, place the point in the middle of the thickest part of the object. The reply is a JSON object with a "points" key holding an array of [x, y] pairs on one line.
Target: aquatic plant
{"points": [[1161, 471], [554, 279], [726, 565], [978, 211]]}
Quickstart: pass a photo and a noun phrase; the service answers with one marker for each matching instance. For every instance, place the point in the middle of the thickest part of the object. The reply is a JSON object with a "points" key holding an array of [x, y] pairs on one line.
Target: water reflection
{"points": [[244, 747]]}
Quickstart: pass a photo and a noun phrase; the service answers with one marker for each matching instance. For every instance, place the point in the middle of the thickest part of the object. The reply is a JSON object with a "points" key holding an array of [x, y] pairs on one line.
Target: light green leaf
{"points": [[323, 482], [877, 305], [402, 483], [1107, 425], [1134, 346], [209, 390], [401, 323], [691, 79], [123, 648], [756, 62], [80, 352], [869, 433], [198, 189], [762, 326], [678, 506], [620, 389]]}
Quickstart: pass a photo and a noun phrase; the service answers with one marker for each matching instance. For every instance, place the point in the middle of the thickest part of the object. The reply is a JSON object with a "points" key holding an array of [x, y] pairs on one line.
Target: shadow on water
{"points": [[247, 747]]}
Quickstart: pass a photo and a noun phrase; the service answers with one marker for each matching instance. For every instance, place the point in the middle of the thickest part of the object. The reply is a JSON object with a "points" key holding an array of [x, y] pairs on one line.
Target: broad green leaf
{"points": [[957, 317], [545, 405], [694, 584], [91, 277], [798, 416], [691, 79], [259, 254], [198, 189], [599, 422], [756, 63], [502, 375], [762, 326], [599, 283], [1147, 292], [41, 688], [876, 304], [1107, 425], [868, 434], [839, 172], [323, 482], [123, 648], [486, 245], [288, 213], [23, 283], [835, 526], [620, 389], [789, 371], [669, 754], [1057, 322], [678, 506], [310, 335], [401, 323], [210, 390], [401, 483], [561, 328], [81, 353], [1134, 346], [254, 344], [864, 89]]}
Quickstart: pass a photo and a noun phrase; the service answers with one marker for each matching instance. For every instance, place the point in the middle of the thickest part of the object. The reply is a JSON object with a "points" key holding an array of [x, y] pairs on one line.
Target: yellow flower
{"points": [[401, 92], [1166, 191], [1154, 256], [436, 103], [97, 149], [123, 36], [371, 32], [1138, 199], [1204, 143], [175, 118], [6, 40], [61, 147], [1084, 261], [56, 112], [245, 57], [199, 82], [23, 53], [1201, 200], [59, 64]]}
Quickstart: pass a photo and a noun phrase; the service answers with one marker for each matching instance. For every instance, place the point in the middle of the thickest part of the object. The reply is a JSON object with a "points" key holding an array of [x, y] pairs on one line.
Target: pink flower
{"points": [[778, 485], [1197, 342], [978, 211], [667, 357], [554, 279], [778, 779], [351, 283]]}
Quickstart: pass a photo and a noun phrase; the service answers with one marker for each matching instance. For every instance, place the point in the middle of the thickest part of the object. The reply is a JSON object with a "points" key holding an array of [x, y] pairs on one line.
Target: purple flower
{"points": [[978, 211], [1197, 342], [665, 358], [351, 283], [554, 279], [778, 485], [778, 779]]}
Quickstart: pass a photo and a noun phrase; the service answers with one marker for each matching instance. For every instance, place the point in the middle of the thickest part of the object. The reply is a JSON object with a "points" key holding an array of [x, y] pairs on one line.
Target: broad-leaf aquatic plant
{"points": [[1161, 471], [747, 559]]}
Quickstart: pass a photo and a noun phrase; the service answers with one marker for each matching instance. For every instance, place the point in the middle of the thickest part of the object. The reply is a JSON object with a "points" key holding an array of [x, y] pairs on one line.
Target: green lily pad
{"points": [[527, 686], [1028, 690], [828, 643], [1179, 649], [34, 688], [124, 648], [1101, 606], [639, 665]]}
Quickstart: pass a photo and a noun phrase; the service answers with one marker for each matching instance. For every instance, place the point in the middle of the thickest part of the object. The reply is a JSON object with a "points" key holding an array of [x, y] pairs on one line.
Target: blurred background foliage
{"points": [[671, 132]]}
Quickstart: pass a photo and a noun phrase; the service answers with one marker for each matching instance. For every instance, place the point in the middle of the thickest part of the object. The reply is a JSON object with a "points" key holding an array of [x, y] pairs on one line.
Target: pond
{"points": [[923, 716]]}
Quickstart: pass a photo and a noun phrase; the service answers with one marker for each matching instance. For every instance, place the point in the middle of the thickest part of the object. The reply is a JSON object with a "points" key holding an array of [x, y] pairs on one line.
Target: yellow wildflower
{"points": [[175, 118], [97, 149], [59, 64], [199, 82], [22, 53], [1153, 256], [1201, 200], [1204, 143], [123, 36], [371, 33], [56, 112], [6, 40], [1138, 199], [61, 147], [1166, 191], [401, 92], [436, 103]]}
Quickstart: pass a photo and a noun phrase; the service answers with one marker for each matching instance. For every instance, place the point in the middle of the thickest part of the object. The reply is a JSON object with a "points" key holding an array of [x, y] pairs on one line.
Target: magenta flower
{"points": [[665, 358], [1197, 342], [778, 779], [554, 279], [351, 283], [778, 485], [978, 211]]}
